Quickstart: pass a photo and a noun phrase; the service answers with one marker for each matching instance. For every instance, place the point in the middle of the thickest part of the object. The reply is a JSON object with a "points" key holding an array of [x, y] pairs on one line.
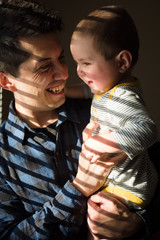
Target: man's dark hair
{"points": [[18, 19]]}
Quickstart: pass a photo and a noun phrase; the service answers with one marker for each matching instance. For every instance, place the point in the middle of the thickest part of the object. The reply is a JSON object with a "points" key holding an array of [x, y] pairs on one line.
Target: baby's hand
{"points": [[87, 132], [101, 146], [110, 159]]}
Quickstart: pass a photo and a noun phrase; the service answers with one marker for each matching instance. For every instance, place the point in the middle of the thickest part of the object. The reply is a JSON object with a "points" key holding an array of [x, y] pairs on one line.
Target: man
{"points": [[42, 195]]}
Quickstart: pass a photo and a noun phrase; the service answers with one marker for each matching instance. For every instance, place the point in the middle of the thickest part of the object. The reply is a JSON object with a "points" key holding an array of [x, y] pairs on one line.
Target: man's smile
{"points": [[56, 89]]}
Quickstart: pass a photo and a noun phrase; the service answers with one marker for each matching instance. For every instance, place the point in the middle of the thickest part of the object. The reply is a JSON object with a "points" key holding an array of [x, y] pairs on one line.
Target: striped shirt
{"points": [[122, 111], [37, 167]]}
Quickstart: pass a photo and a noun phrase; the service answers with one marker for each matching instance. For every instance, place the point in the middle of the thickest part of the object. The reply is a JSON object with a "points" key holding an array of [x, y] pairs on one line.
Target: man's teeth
{"points": [[56, 90]]}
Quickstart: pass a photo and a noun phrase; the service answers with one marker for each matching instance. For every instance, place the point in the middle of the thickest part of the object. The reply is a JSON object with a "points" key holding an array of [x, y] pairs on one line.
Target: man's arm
{"points": [[60, 218]]}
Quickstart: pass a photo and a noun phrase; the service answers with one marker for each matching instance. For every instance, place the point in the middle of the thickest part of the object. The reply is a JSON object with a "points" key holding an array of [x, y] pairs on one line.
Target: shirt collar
{"points": [[67, 111], [21, 129]]}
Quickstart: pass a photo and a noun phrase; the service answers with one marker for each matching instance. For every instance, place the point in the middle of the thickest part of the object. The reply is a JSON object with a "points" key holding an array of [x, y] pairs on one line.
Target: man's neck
{"points": [[37, 119]]}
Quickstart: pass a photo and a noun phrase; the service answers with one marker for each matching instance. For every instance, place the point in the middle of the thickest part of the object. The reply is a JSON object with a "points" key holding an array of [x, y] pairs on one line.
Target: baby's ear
{"points": [[125, 60], [6, 83]]}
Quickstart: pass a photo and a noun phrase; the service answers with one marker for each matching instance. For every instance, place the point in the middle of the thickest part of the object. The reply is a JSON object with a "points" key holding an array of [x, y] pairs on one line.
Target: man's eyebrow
{"points": [[43, 59], [62, 52], [39, 59]]}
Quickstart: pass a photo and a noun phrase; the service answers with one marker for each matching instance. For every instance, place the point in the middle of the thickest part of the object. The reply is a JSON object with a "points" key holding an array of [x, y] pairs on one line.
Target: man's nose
{"points": [[60, 72]]}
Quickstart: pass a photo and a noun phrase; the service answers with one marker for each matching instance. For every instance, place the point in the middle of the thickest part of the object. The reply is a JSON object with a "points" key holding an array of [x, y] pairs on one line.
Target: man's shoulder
{"points": [[3, 132], [2, 127], [10, 127], [4, 146]]}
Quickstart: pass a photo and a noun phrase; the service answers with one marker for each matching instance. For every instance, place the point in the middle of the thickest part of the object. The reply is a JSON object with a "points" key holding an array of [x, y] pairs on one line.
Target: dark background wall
{"points": [[146, 14]]}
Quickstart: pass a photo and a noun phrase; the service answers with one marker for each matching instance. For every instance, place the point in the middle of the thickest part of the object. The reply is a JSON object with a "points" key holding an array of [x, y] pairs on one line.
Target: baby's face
{"points": [[100, 75]]}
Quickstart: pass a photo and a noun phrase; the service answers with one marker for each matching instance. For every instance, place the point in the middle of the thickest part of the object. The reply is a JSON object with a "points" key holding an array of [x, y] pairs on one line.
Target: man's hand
{"points": [[109, 218]]}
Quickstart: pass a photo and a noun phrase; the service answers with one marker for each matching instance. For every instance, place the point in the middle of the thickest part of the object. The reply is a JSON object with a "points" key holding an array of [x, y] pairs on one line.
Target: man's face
{"points": [[42, 77]]}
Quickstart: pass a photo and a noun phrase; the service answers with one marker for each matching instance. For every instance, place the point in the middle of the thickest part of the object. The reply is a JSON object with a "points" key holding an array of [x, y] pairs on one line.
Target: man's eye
{"points": [[42, 69], [45, 67], [62, 58]]}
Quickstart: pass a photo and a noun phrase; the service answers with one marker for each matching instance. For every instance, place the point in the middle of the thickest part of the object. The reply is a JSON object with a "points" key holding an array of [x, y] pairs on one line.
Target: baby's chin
{"points": [[96, 91]]}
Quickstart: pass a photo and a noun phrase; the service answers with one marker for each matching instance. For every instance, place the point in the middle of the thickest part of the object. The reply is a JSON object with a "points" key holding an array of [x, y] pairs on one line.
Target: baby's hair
{"points": [[112, 30]]}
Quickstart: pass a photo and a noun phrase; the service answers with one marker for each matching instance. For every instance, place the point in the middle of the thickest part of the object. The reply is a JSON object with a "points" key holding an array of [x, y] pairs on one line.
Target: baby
{"points": [[105, 47]]}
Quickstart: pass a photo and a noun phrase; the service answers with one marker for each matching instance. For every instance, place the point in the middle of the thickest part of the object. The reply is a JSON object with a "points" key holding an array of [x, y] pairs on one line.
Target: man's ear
{"points": [[6, 83], [124, 59]]}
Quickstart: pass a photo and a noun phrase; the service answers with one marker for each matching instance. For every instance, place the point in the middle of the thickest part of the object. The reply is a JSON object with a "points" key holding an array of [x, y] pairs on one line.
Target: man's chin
{"points": [[57, 104]]}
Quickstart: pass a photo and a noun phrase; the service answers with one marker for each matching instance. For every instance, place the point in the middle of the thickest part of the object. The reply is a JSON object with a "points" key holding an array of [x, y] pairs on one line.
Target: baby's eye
{"points": [[86, 63]]}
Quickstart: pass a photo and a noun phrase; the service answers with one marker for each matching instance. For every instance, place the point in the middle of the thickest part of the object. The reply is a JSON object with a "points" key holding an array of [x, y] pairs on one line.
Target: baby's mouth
{"points": [[90, 82]]}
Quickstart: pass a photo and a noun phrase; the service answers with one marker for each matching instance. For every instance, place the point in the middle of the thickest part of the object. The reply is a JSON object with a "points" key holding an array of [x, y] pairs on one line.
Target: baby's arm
{"points": [[101, 146], [74, 91], [80, 90]]}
